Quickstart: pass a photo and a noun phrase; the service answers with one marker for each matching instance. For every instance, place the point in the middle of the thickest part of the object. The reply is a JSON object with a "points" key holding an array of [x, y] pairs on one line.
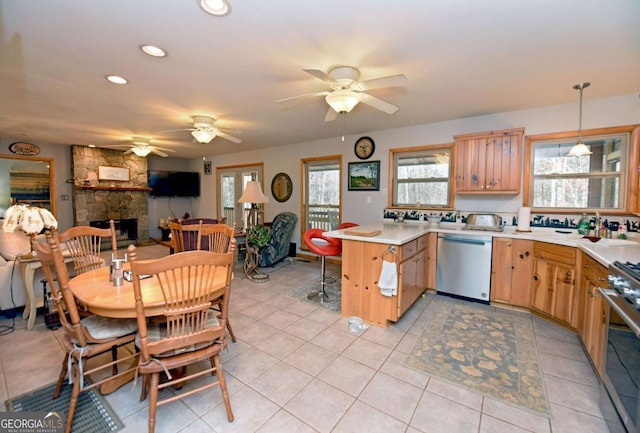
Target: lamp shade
{"points": [[579, 149], [253, 193], [342, 101], [29, 219], [204, 135]]}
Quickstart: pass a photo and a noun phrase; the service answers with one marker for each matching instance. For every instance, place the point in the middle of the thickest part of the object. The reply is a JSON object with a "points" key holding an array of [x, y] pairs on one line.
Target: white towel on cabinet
{"points": [[388, 281]]}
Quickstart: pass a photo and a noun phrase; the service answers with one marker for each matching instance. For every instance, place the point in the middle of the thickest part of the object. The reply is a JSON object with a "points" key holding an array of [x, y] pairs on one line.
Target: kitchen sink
{"points": [[605, 242]]}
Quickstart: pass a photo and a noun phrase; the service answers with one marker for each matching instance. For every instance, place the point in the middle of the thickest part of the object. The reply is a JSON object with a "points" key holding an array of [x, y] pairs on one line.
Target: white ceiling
{"points": [[461, 57]]}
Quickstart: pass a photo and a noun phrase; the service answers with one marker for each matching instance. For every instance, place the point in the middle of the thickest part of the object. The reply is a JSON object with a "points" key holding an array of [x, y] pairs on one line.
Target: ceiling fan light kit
{"points": [[141, 151], [215, 7], [342, 101], [580, 149], [203, 135]]}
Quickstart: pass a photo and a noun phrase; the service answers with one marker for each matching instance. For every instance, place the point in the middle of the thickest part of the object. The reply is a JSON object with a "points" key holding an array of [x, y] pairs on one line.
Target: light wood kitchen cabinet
{"points": [[592, 309], [489, 162], [512, 271], [431, 252], [554, 281], [361, 267]]}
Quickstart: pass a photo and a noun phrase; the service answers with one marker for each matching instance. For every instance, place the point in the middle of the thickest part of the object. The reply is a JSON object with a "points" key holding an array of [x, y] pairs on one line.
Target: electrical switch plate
{"points": [[368, 199]]}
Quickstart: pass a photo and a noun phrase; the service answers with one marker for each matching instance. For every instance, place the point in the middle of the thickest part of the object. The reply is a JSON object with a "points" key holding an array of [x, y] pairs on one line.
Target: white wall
{"points": [[614, 111]]}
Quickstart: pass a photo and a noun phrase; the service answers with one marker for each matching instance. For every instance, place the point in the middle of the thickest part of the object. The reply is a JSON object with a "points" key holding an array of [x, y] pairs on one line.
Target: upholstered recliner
{"points": [[280, 237]]}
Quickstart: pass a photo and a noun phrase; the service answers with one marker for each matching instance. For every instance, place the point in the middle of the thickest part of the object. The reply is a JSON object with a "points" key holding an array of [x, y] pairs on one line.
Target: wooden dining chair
{"points": [[189, 331], [84, 245], [84, 339], [184, 237], [218, 238]]}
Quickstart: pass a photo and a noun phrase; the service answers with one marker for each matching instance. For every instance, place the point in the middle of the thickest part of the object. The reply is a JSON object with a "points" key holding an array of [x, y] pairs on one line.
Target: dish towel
{"points": [[388, 281]]}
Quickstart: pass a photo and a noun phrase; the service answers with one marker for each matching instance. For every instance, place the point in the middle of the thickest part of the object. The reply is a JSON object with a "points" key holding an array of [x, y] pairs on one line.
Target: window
{"points": [[599, 181], [231, 184], [421, 177], [321, 200]]}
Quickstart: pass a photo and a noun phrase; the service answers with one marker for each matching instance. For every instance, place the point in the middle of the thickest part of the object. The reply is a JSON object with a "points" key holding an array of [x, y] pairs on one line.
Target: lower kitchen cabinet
{"points": [[361, 267], [592, 309], [553, 288], [512, 271]]}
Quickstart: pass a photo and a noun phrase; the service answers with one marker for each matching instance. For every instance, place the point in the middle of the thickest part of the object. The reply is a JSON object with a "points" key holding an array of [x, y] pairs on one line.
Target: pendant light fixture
{"points": [[580, 149]]}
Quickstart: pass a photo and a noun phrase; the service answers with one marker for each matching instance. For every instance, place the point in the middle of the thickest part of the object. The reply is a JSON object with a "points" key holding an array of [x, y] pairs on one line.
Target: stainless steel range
{"points": [[622, 352]]}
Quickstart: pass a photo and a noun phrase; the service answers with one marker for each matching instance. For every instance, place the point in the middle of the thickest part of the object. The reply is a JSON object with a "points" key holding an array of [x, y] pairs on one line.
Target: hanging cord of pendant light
{"points": [[580, 149]]}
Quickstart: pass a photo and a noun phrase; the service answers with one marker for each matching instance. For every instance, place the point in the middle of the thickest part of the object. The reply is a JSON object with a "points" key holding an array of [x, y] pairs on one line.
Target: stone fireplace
{"points": [[121, 197]]}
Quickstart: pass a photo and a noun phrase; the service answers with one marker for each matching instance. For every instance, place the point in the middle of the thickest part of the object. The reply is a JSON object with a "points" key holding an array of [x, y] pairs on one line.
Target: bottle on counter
{"points": [[584, 226]]}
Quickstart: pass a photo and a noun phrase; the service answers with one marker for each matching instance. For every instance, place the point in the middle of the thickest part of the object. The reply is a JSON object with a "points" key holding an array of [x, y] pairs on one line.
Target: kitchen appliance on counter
{"points": [[463, 266], [484, 221], [622, 349]]}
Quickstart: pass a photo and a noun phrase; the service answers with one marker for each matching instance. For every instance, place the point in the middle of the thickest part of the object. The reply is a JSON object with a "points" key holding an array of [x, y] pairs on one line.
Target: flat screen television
{"points": [[174, 183]]}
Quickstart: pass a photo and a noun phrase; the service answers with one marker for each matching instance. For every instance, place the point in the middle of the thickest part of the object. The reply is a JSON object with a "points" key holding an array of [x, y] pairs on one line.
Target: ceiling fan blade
{"points": [[159, 152], [164, 149], [174, 130], [377, 103], [128, 151], [320, 75], [331, 115], [378, 83], [229, 137], [326, 92]]}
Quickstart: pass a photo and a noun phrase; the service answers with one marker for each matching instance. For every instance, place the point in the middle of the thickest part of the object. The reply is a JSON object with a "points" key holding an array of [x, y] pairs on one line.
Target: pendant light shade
{"points": [[580, 149]]}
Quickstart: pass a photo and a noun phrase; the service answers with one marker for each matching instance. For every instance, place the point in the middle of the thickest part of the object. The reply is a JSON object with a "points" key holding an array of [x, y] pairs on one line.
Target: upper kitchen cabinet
{"points": [[489, 162]]}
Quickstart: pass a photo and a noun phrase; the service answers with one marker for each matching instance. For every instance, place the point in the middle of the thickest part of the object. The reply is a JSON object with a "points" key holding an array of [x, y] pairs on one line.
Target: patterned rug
{"points": [[93, 413], [333, 290], [489, 351]]}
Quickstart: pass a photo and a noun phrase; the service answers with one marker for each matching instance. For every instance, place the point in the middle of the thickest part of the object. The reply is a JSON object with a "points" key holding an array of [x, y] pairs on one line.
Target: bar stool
{"points": [[327, 247]]}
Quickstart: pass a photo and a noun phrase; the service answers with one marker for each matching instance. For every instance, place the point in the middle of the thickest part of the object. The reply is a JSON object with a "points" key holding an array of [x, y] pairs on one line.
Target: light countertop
{"points": [[605, 251]]}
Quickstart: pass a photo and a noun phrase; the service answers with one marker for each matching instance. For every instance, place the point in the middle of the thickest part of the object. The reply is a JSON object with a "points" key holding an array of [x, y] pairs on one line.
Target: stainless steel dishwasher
{"points": [[463, 266]]}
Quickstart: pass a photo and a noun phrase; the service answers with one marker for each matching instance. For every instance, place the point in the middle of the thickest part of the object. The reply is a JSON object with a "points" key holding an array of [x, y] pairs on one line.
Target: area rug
{"points": [[334, 291], [487, 351], [93, 413]]}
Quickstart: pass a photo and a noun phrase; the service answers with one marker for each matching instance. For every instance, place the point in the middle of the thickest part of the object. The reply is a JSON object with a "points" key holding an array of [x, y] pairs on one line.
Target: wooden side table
{"points": [[28, 266]]}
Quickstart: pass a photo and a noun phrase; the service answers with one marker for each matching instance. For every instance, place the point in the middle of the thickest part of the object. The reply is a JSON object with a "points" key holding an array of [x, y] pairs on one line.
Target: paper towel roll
{"points": [[524, 216]]}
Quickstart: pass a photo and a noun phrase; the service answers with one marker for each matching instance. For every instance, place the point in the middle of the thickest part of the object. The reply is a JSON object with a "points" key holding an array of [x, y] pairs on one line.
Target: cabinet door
{"points": [[563, 286], [408, 281], [502, 170], [501, 270], [542, 288], [470, 164], [521, 276], [430, 266]]}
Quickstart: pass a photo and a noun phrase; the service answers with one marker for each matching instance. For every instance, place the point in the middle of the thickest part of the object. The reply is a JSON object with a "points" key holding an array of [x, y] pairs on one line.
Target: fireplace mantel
{"points": [[113, 188]]}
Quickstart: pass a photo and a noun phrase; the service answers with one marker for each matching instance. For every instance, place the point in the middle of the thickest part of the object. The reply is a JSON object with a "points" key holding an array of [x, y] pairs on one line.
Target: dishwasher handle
{"points": [[468, 241]]}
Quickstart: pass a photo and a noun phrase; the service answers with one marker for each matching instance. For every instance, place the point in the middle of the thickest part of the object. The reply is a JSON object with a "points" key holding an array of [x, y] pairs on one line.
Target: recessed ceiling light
{"points": [[116, 79], [154, 51], [215, 7]]}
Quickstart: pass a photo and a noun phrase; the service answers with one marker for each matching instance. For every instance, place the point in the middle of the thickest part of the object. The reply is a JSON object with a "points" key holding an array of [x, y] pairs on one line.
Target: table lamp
{"points": [[253, 194]]}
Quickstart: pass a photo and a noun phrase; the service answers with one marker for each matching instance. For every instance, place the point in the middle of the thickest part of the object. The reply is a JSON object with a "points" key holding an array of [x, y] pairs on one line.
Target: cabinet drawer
{"points": [[422, 243], [409, 249], [556, 253]]}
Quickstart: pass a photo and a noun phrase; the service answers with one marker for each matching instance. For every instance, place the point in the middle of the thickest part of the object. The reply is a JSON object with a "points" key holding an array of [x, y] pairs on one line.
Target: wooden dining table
{"points": [[101, 297], [94, 290]]}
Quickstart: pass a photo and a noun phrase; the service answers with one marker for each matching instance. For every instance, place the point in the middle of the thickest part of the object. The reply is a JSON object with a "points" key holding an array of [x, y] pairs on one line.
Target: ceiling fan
{"points": [[142, 147], [204, 131], [347, 91]]}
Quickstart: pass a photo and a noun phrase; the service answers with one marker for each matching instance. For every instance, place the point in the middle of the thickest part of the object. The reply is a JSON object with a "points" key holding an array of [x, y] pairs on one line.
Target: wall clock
{"points": [[364, 147]]}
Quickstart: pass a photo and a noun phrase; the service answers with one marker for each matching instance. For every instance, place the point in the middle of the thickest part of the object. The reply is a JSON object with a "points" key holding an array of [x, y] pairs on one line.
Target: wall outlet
{"points": [[64, 197]]}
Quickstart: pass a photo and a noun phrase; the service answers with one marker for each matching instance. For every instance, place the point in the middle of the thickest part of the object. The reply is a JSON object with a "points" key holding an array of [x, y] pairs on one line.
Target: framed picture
{"points": [[207, 167], [364, 176], [113, 173]]}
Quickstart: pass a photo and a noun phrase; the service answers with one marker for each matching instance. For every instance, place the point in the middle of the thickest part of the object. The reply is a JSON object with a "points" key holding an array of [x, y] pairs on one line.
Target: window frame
{"points": [[393, 183], [629, 176]]}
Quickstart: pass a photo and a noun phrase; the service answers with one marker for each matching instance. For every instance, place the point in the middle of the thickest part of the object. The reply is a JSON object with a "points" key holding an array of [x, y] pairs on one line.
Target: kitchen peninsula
{"points": [[412, 245]]}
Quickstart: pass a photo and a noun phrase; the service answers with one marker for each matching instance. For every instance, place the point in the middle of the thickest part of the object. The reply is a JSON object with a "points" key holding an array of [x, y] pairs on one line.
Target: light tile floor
{"points": [[297, 368]]}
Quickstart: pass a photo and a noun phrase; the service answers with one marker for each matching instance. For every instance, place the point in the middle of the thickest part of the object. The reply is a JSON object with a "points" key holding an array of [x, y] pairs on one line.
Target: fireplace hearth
{"points": [[126, 231]]}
